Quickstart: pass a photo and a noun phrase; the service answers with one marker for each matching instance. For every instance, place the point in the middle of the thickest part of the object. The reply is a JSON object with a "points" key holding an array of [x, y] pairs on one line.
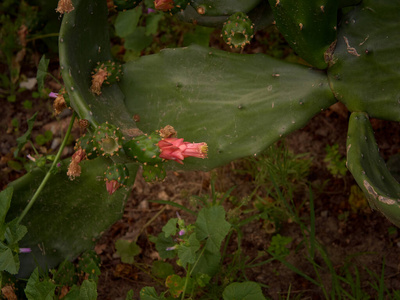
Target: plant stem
{"points": [[48, 174]]}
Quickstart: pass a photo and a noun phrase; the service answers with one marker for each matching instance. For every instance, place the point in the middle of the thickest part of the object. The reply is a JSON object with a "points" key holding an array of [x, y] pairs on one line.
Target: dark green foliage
{"points": [[223, 7], [238, 30], [125, 4]]}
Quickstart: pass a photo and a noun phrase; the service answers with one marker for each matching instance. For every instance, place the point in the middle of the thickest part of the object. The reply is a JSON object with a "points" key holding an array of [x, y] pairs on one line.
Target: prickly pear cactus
{"points": [[172, 6], [238, 30], [309, 27], [223, 7], [121, 5]]}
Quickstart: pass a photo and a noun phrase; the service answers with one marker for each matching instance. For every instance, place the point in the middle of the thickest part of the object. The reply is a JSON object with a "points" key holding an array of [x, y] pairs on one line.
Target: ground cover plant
{"points": [[138, 111]]}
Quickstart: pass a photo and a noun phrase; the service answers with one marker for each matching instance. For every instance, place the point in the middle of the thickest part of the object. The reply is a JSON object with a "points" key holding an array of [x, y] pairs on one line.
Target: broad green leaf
{"points": [[69, 215], [89, 263], [365, 70], [237, 104], [8, 261], [187, 251], [36, 289], [369, 169], [170, 228], [5, 200], [211, 225], [127, 21], [22, 140], [162, 269], [65, 274], [42, 72], [243, 291], [127, 250]]}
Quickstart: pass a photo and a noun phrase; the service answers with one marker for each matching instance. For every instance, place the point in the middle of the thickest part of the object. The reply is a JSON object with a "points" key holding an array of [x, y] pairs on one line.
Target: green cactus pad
{"points": [[86, 143], [238, 30], [144, 149], [153, 173], [107, 139], [125, 4], [369, 170], [223, 7], [84, 41], [365, 70], [117, 172], [74, 217], [237, 104], [308, 26]]}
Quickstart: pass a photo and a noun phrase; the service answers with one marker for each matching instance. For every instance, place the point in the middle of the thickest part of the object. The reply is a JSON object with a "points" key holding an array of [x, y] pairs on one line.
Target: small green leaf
{"points": [[5, 200], [42, 139], [149, 293], [65, 274], [36, 289], [202, 279], [14, 232], [152, 21], [22, 140], [162, 269], [127, 250], [27, 104], [187, 251], [88, 290], [15, 165], [127, 21], [243, 291], [12, 98], [8, 261], [90, 264], [129, 295], [162, 243], [170, 228], [211, 225], [175, 285], [42, 72], [138, 40]]}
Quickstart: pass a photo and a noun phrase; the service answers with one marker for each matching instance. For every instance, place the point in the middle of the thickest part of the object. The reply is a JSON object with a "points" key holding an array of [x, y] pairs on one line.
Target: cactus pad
{"points": [[223, 7], [369, 170], [238, 30], [144, 149], [86, 143], [365, 70], [153, 173], [105, 73], [254, 107], [309, 26]]}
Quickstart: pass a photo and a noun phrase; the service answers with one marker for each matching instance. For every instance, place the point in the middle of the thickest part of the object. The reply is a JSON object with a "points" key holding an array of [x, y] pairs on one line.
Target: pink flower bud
{"points": [[112, 186], [176, 149]]}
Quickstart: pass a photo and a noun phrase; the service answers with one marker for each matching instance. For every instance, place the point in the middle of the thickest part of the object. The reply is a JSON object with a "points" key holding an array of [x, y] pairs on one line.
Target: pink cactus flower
{"points": [[164, 5], [176, 149], [53, 95]]}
